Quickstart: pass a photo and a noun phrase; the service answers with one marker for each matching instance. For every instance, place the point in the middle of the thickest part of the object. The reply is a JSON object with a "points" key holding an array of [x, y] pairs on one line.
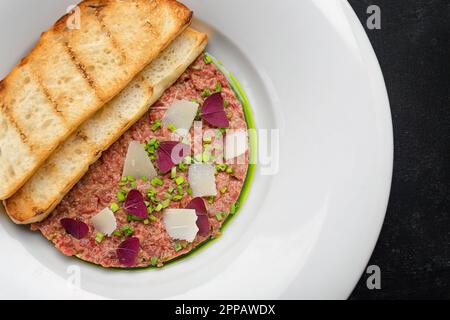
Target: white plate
{"points": [[306, 232]]}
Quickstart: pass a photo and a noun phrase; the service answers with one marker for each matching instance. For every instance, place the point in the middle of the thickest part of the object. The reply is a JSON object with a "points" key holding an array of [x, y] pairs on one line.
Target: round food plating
{"points": [[155, 237]]}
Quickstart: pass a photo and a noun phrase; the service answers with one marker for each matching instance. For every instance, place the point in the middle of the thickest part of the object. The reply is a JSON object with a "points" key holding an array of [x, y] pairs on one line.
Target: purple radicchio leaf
{"points": [[75, 228], [135, 205], [213, 111], [169, 154], [128, 251]]}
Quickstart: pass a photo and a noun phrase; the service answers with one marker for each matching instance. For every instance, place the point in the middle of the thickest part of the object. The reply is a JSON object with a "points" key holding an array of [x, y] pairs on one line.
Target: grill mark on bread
{"points": [[82, 70], [82, 136], [108, 33], [10, 117], [50, 99], [150, 89], [97, 5], [148, 23], [47, 94]]}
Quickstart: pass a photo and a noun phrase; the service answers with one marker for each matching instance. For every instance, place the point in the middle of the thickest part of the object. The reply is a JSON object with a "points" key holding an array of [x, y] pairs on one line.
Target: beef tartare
{"points": [[156, 218]]}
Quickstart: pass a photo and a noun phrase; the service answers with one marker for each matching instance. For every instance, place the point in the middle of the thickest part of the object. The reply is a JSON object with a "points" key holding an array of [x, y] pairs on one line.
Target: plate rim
{"points": [[377, 77]]}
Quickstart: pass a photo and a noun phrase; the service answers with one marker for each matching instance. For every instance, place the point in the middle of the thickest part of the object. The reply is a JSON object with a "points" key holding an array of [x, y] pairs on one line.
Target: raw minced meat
{"points": [[99, 187]]}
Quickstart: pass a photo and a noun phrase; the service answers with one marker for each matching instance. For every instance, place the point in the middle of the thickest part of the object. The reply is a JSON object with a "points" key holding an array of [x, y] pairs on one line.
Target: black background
{"points": [[413, 47]]}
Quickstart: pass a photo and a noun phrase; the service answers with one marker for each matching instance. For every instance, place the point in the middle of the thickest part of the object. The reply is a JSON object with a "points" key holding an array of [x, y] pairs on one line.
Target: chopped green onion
{"points": [[159, 207], [153, 218], [223, 190], [189, 191], [124, 179], [230, 170], [131, 178], [218, 87], [172, 128], [156, 125], [225, 103], [219, 134], [114, 207], [173, 173], [188, 160], [155, 200], [198, 158], [170, 190], [133, 185], [211, 199], [182, 166], [117, 233], [157, 182], [121, 196], [233, 208], [207, 139], [133, 218], [180, 189], [206, 156], [207, 59], [178, 246], [221, 167], [154, 261], [179, 180], [152, 142], [127, 230], [223, 130], [166, 203], [205, 93], [219, 216], [177, 197], [99, 237], [151, 192], [198, 115], [150, 209], [146, 221]]}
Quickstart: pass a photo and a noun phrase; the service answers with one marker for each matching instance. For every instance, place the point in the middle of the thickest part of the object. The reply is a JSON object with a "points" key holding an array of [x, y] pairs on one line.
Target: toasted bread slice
{"points": [[72, 73], [40, 195]]}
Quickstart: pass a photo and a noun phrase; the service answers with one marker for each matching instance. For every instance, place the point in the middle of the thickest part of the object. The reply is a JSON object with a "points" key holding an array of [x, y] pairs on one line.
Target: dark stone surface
{"points": [[413, 47]]}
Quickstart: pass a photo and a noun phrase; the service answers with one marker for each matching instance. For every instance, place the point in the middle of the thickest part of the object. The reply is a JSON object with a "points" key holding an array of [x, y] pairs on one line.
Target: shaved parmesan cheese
{"points": [[181, 115], [236, 144], [181, 224], [138, 163], [105, 222], [202, 180]]}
